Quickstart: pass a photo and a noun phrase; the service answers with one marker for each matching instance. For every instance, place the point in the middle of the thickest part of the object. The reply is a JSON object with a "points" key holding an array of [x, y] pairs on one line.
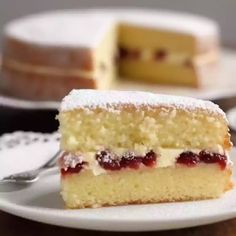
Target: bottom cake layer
{"points": [[41, 87], [145, 186]]}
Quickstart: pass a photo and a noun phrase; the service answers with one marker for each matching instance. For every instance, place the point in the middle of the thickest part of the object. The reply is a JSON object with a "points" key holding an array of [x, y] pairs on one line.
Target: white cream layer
{"points": [[47, 70], [178, 58], [166, 158], [145, 55], [87, 27]]}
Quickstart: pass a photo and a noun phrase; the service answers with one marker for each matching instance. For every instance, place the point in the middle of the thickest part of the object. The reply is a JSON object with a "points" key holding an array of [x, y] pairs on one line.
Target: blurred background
{"points": [[221, 11]]}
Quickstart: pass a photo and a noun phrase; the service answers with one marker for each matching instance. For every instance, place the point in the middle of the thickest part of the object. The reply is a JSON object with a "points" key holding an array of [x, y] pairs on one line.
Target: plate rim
{"points": [[29, 213]]}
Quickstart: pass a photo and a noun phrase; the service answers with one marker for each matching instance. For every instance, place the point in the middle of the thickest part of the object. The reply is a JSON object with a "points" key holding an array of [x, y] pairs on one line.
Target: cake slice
{"points": [[123, 147]]}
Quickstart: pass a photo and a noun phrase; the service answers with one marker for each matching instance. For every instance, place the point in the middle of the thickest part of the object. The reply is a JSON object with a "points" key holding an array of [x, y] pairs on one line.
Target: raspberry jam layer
{"points": [[192, 159], [160, 55], [125, 53], [73, 170], [110, 161]]}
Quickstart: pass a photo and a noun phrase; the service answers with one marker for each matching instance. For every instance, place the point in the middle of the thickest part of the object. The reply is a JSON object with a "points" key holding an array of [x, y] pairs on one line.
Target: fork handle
{"points": [[49, 171]]}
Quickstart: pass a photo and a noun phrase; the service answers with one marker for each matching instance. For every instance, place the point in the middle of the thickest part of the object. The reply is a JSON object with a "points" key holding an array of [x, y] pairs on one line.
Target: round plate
{"points": [[42, 202], [231, 115], [223, 86]]}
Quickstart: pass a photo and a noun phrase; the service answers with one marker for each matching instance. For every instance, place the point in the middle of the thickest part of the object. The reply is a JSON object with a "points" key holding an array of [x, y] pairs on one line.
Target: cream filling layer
{"points": [[166, 157], [180, 58], [145, 55], [46, 70]]}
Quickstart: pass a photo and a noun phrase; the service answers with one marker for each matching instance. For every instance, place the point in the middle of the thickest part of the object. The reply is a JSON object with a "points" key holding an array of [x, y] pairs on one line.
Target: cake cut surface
{"points": [[164, 148]]}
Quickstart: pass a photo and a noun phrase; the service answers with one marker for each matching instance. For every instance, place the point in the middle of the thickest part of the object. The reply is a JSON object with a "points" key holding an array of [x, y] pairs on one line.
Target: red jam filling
{"points": [[192, 159], [209, 157], [111, 161], [188, 158], [73, 170], [160, 55], [149, 159], [108, 160], [188, 63], [125, 53]]}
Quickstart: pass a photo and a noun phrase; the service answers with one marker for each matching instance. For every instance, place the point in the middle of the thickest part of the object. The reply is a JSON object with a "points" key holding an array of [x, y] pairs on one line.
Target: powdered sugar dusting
{"points": [[110, 99], [73, 28], [60, 28], [69, 160]]}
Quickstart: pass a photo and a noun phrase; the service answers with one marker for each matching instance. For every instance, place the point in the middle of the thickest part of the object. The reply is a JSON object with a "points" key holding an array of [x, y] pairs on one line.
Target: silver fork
{"points": [[28, 177]]}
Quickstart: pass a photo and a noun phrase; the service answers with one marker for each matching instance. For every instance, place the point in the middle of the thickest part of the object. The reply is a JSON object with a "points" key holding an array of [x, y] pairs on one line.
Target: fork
{"points": [[29, 177]]}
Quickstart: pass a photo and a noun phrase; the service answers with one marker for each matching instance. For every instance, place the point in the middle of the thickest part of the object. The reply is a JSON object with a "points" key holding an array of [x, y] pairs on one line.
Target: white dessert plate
{"points": [[224, 86], [41, 201]]}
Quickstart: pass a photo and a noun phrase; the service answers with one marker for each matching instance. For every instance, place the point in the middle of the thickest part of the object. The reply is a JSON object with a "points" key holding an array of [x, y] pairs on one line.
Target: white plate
{"points": [[41, 202], [223, 86], [231, 116]]}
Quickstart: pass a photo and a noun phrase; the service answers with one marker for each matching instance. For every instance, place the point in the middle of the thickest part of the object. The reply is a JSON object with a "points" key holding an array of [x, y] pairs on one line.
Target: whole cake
{"points": [[123, 147], [52, 53]]}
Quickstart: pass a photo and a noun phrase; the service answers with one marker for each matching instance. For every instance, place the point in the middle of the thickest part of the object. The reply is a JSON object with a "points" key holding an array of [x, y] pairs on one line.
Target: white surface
{"points": [[231, 116], [22, 151], [85, 28], [41, 202], [92, 99]]}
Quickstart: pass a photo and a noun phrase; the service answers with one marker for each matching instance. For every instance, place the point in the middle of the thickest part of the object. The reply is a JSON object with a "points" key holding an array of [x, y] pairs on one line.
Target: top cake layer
{"points": [[113, 100], [74, 28], [93, 120]]}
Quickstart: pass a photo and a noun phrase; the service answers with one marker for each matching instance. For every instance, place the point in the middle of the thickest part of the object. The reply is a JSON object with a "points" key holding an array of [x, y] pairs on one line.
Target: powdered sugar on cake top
{"points": [[75, 28], [60, 28], [92, 99]]}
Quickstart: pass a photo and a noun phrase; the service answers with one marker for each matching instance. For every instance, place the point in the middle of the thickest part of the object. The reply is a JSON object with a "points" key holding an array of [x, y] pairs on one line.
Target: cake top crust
{"points": [[111, 99], [73, 28]]}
